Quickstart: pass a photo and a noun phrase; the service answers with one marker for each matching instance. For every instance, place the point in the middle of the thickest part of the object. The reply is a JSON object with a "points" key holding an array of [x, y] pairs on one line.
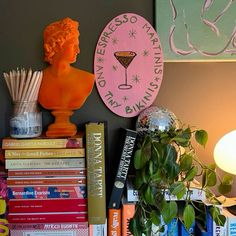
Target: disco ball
{"points": [[155, 119]]}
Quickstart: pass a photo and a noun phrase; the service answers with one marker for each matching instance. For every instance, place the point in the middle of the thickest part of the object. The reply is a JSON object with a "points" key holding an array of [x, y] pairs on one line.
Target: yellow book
{"points": [[44, 153]]}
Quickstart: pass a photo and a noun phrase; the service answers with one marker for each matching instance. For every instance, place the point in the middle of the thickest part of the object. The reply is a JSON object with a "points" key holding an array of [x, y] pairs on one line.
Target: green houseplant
{"points": [[167, 161]]}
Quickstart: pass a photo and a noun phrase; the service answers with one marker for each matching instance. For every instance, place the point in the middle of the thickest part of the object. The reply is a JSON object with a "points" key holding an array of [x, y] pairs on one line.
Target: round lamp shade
{"points": [[225, 152]]}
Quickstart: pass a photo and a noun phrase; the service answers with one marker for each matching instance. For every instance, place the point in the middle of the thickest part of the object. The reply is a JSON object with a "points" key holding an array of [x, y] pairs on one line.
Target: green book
{"points": [[95, 157]]}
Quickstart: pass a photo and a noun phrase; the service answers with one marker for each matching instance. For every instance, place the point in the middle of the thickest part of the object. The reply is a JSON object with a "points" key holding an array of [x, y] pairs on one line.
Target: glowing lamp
{"points": [[225, 152]]}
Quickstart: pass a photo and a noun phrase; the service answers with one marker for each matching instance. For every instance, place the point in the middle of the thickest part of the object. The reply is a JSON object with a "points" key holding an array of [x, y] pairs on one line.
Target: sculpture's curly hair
{"points": [[56, 34]]}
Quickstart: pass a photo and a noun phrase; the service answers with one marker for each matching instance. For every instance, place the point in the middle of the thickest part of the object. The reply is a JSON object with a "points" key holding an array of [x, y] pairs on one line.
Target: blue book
{"points": [[171, 229], [209, 222], [184, 232]]}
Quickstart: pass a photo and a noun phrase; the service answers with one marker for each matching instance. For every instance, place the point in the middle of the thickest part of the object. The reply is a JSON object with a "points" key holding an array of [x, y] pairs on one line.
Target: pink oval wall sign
{"points": [[128, 65]]}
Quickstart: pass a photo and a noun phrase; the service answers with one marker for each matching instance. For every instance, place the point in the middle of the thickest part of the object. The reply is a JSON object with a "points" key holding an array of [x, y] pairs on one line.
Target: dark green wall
{"points": [[21, 26]]}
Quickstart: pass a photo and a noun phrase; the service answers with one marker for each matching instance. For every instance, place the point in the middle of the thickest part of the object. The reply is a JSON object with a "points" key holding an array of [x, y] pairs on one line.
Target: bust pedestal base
{"points": [[62, 127]]}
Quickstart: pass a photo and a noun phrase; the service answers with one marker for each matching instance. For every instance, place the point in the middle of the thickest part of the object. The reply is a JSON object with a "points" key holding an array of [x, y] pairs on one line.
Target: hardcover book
{"points": [[44, 153], [43, 142], [48, 217], [45, 163], [47, 172], [47, 205], [47, 192], [45, 181], [98, 230], [120, 179], [52, 229], [95, 155]]}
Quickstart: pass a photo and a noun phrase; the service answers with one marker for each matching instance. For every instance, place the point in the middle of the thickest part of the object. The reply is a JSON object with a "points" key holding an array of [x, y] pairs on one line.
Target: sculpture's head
{"points": [[61, 37]]}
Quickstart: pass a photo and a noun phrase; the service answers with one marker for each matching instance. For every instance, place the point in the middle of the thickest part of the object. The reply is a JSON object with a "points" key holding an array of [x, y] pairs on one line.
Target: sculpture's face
{"points": [[70, 50]]}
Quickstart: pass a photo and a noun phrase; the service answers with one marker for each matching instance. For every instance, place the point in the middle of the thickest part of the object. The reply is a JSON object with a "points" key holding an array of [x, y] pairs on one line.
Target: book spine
{"points": [[47, 218], [49, 205], [45, 181], [98, 230], [73, 232], [114, 222], [47, 173], [46, 226], [44, 153], [45, 163], [73, 142], [219, 230], [209, 222], [47, 192], [95, 155], [128, 211], [120, 179]]}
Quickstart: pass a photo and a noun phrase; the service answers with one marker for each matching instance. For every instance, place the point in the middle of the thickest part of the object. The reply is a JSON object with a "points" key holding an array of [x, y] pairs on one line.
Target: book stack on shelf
{"points": [[46, 186]]}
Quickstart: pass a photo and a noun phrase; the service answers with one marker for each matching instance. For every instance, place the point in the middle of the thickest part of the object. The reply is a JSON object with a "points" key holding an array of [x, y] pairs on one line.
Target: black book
{"points": [[121, 176]]}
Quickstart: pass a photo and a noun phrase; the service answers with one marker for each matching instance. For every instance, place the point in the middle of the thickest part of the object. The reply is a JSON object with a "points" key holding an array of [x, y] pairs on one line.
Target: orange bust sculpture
{"points": [[64, 88]]}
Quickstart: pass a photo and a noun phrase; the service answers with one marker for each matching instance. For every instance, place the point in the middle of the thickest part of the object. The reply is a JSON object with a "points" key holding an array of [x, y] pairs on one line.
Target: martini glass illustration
{"points": [[125, 58]]}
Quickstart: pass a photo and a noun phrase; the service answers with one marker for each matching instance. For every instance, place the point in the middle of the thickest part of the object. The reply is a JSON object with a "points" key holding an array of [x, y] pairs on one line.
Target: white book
{"points": [[230, 222]]}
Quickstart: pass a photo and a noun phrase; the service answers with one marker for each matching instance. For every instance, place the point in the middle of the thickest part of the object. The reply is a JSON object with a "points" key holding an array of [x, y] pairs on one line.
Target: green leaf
{"points": [[134, 227], [211, 178], [186, 162], [178, 189], [226, 184], [169, 211], [191, 174], [148, 196], [201, 137], [155, 217], [188, 216], [170, 154], [217, 217], [140, 159]]}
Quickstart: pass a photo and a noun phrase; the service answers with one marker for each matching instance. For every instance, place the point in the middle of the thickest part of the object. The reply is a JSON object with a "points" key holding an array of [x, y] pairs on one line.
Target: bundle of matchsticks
{"points": [[23, 87]]}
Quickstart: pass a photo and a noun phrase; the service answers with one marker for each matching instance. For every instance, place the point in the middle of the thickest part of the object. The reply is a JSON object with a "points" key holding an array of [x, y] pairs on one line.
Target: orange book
{"points": [[128, 210], [114, 222]]}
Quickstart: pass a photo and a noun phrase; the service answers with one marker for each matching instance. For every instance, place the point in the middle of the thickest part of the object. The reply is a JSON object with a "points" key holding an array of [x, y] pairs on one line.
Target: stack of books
{"points": [[46, 186]]}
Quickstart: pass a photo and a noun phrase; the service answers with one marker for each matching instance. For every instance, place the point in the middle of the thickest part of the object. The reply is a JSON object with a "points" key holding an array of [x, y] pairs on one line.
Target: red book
{"points": [[47, 217], [47, 192], [47, 205], [46, 181], [114, 222], [47, 172]]}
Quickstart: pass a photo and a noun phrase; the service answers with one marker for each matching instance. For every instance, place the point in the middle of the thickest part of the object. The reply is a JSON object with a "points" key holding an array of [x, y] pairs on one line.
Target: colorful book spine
{"points": [[43, 142], [114, 222], [47, 192], [44, 153], [128, 210], [184, 232], [47, 205], [47, 172], [219, 230], [98, 230], [47, 217], [45, 181], [230, 222], [120, 179], [47, 226], [72, 232], [95, 155], [45, 163]]}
